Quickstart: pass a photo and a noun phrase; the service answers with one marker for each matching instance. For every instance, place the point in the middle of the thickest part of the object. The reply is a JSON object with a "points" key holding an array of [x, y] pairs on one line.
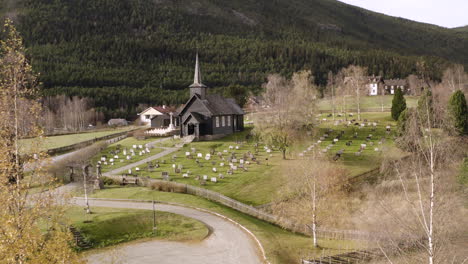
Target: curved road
{"points": [[227, 244]]}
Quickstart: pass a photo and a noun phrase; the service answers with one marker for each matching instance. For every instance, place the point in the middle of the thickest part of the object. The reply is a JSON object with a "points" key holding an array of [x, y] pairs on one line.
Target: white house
{"points": [[374, 85], [149, 113]]}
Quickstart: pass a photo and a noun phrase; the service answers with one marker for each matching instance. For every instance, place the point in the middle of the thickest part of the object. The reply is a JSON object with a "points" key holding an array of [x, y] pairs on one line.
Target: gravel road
{"points": [[227, 244]]}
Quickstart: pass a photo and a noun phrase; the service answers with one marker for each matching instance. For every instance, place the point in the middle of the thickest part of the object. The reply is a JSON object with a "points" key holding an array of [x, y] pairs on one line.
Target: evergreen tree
{"points": [[398, 104], [458, 112]]}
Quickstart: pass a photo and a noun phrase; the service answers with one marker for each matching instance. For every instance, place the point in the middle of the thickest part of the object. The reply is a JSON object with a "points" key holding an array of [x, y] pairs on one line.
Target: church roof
{"points": [[219, 105]]}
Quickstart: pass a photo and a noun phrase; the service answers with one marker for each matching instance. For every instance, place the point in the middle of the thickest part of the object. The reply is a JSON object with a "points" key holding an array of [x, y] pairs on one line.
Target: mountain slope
{"points": [[125, 52], [461, 29]]}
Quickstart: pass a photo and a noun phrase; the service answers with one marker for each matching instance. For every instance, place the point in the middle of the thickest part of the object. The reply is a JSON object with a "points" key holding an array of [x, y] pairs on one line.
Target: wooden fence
{"points": [[112, 139], [250, 210]]}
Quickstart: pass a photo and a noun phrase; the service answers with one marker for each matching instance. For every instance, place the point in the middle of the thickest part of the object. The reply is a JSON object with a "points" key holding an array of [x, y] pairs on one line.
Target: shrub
{"points": [[109, 181], [168, 187], [398, 104], [458, 112]]}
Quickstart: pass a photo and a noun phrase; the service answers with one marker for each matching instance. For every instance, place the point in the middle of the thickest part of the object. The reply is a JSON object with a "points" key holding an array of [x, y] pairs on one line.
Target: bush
{"points": [[458, 112], [398, 104], [109, 181], [168, 187]]}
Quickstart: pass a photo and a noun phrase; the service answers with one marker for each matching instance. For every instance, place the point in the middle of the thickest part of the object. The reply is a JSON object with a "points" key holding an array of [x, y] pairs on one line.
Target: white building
{"points": [[374, 85], [151, 112]]}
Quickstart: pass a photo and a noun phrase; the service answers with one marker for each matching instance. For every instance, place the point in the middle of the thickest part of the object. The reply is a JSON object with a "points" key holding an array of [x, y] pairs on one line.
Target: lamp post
{"points": [[85, 174], [154, 218]]}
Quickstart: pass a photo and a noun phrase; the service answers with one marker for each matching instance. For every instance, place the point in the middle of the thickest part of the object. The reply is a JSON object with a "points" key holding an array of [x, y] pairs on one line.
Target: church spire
{"points": [[197, 77]]}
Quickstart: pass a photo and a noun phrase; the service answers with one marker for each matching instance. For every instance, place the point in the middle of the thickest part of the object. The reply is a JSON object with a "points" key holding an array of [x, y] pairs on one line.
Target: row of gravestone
{"points": [[348, 143]]}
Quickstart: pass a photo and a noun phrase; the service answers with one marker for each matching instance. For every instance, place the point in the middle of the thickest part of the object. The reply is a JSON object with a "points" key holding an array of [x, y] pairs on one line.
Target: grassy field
{"points": [[61, 141], [280, 245], [255, 186], [110, 226], [367, 102], [369, 158], [127, 144]]}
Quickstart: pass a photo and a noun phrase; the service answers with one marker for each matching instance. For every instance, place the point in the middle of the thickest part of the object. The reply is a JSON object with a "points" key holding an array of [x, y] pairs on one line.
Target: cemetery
{"points": [[358, 146], [249, 171], [232, 166], [127, 151]]}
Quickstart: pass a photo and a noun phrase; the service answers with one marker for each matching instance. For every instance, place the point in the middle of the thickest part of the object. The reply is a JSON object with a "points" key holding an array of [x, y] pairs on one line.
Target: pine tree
{"points": [[458, 112], [398, 104]]}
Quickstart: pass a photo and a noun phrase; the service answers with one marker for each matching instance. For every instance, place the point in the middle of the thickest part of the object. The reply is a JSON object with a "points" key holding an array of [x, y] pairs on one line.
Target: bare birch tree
{"points": [[331, 85], [420, 210], [291, 109], [356, 79], [313, 194], [455, 78]]}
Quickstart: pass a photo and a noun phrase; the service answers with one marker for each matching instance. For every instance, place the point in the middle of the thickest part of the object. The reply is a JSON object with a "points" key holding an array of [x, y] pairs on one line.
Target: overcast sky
{"points": [[446, 13]]}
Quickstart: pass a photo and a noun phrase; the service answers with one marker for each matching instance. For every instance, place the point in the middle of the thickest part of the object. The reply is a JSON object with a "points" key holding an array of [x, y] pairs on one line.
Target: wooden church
{"points": [[208, 116]]}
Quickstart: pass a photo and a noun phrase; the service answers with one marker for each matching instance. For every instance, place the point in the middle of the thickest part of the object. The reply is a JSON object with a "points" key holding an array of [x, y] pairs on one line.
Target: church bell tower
{"points": [[197, 87]]}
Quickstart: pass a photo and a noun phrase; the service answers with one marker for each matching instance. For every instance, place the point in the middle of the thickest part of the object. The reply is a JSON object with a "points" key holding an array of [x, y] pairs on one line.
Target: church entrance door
{"points": [[191, 129]]}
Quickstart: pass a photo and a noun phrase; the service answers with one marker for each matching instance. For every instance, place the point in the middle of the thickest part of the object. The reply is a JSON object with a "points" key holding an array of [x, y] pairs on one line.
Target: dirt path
{"points": [[227, 244], [167, 151]]}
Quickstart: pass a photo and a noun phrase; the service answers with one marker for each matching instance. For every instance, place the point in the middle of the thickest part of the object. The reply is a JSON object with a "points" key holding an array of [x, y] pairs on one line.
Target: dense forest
{"points": [[122, 53]]}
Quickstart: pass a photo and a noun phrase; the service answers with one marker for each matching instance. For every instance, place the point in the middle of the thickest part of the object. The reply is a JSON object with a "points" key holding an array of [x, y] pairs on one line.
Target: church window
{"points": [[229, 121], [223, 121], [217, 121]]}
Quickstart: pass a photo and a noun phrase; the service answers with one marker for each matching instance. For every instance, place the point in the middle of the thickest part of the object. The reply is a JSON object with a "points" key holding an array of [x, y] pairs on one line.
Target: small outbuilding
{"points": [[117, 122]]}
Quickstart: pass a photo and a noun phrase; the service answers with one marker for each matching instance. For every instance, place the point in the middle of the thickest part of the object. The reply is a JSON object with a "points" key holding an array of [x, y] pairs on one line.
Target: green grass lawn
{"points": [[281, 246], [255, 186], [367, 102], [61, 141], [122, 160], [110, 226], [369, 158]]}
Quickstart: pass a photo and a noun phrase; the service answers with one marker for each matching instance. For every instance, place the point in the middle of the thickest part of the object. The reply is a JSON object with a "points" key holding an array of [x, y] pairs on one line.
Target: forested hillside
{"points": [[125, 52]]}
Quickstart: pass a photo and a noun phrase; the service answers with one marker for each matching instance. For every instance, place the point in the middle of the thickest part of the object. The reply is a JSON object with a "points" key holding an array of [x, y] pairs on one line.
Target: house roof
{"points": [[395, 82], [165, 109], [162, 109]]}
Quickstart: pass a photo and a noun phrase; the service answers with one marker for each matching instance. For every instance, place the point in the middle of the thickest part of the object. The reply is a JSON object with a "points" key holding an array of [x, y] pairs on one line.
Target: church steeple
{"points": [[197, 76], [197, 87]]}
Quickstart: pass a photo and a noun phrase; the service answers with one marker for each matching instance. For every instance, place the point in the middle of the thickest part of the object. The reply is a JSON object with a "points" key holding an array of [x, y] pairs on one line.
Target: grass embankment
{"points": [[367, 103], [121, 161], [52, 142], [256, 186], [111, 226], [280, 245]]}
